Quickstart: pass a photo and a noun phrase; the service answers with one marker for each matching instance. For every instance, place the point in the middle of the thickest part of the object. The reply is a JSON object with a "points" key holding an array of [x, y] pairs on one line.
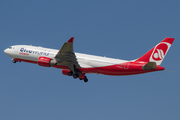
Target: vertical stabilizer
{"points": [[157, 53]]}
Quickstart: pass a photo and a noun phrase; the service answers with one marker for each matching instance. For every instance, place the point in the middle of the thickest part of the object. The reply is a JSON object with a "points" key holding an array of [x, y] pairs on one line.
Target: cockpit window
{"points": [[10, 47]]}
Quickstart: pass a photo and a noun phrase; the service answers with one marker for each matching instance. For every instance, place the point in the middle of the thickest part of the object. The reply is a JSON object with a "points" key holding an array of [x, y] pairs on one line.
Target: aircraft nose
{"points": [[6, 51]]}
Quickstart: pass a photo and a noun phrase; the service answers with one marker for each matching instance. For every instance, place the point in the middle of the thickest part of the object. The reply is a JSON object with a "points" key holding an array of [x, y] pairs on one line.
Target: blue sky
{"points": [[117, 29]]}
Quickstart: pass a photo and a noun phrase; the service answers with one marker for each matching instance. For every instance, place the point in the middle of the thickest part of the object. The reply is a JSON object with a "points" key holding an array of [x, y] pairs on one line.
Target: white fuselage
{"points": [[32, 53]]}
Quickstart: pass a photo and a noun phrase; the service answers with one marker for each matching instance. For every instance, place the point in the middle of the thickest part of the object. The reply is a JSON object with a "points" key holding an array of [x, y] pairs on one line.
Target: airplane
{"points": [[78, 64]]}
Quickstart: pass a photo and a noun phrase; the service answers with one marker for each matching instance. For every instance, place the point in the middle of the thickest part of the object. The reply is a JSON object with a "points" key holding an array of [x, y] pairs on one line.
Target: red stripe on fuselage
{"points": [[129, 68]]}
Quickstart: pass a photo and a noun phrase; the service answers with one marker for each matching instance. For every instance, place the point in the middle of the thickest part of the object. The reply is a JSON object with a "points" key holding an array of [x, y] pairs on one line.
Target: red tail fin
{"points": [[157, 53]]}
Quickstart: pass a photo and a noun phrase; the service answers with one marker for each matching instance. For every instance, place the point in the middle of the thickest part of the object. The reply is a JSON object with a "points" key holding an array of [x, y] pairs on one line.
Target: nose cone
{"points": [[6, 51], [9, 52]]}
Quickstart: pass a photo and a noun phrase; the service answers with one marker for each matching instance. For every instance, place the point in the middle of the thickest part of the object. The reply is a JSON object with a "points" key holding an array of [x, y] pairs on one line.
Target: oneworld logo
{"points": [[23, 51]]}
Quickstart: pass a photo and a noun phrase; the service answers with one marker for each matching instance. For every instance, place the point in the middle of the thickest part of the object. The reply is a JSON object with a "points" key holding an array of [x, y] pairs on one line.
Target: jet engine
{"points": [[46, 62], [79, 74]]}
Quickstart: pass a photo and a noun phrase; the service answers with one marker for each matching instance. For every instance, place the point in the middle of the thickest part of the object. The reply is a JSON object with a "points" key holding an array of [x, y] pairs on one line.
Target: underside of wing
{"points": [[66, 55]]}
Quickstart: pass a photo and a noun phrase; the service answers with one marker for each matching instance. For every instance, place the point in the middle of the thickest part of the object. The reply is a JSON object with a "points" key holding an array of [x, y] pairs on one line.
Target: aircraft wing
{"points": [[66, 56]]}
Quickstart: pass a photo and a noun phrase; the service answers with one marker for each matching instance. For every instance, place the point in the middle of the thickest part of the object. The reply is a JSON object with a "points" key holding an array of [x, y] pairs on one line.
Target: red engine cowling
{"points": [[46, 62], [65, 72]]}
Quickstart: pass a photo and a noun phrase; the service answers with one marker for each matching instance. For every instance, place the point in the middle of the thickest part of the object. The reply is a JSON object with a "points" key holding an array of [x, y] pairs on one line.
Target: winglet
{"points": [[71, 40]]}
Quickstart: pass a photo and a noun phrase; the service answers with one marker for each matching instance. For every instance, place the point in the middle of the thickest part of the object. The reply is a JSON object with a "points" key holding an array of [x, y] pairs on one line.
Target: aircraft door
{"points": [[15, 49], [89, 62], [126, 65]]}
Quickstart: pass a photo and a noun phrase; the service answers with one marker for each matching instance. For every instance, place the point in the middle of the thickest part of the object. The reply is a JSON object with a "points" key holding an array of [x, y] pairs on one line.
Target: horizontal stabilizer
{"points": [[150, 66]]}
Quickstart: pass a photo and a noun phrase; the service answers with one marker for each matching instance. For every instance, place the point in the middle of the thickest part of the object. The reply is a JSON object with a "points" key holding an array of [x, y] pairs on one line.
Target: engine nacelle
{"points": [[65, 72], [46, 62]]}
